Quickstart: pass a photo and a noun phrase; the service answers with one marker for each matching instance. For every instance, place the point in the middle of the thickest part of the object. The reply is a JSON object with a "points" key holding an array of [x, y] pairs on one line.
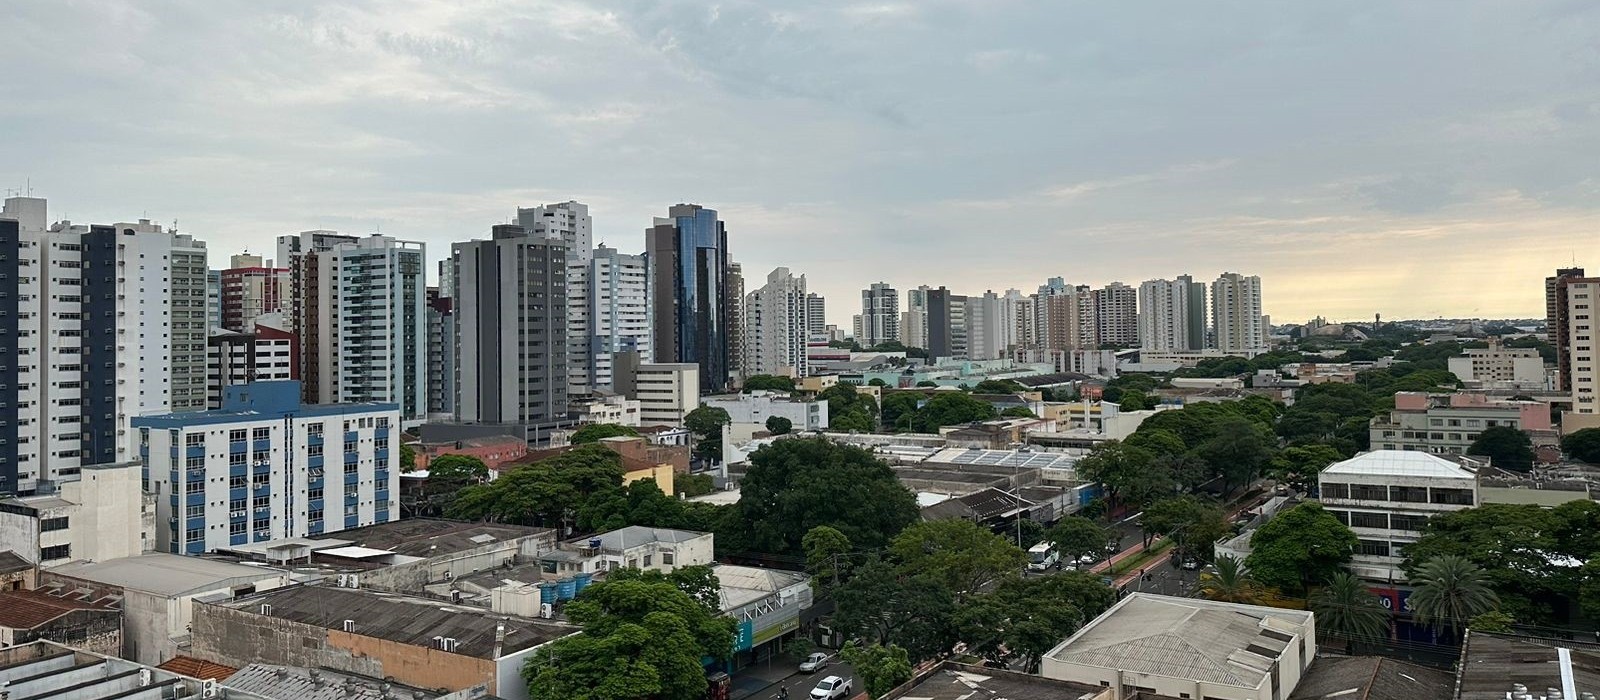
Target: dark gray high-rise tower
{"points": [[510, 328], [687, 257]]}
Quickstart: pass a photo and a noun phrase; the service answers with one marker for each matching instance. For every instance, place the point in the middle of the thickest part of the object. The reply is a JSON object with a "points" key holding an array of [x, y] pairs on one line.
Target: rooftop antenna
{"points": [[30, 186]]}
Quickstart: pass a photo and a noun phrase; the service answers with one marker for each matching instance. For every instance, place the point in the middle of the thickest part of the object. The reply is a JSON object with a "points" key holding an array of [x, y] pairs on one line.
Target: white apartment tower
{"points": [[372, 324], [266, 467], [1236, 313], [777, 325], [568, 222], [914, 322], [1164, 319], [300, 252], [1581, 299], [880, 315], [98, 324], [986, 326], [816, 314], [609, 314]]}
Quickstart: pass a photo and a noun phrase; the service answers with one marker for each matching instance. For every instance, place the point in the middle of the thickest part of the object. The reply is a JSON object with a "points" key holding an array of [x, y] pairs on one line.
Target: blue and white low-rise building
{"points": [[265, 466]]}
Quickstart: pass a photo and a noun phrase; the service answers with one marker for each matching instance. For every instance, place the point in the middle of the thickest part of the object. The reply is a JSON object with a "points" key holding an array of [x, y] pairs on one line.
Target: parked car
{"points": [[831, 688], [1191, 563], [814, 662]]}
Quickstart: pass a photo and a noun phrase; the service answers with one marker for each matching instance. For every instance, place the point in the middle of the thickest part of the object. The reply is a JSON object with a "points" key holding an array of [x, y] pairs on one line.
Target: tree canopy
{"points": [[778, 425], [1023, 618], [950, 408], [797, 484], [595, 432], [850, 410], [1506, 448], [961, 555], [768, 382], [1582, 445], [1299, 548], [1075, 536], [642, 637], [548, 493], [706, 423], [880, 668]]}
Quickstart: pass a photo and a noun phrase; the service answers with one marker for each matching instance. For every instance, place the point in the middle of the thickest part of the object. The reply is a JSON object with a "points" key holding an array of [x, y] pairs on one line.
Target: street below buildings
{"points": [[762, 680]]}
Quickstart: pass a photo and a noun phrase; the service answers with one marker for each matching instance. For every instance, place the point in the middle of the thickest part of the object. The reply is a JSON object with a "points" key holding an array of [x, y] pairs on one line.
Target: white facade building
{"points": [[1387, 496], [608, 313], [666, 391], [1164, 316], [616, 410], [1579, 360], [880, 315], [632, 547], [265, 466], [1236, 313], [914, 321], [986, 327], [373, 324], [568, 222], [757, 406], [1188, 647], [776, 327], [1500, 367], [98, 324], [100, 513], [268, 354]]}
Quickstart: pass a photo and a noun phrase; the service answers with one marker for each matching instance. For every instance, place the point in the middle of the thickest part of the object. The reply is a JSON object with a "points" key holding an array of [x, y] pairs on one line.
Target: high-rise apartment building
{"points": [[1236, 314], [511, 328], [568, 222], [98, 324], [692, 312], [610, 313], [738, 359], [1065, 317], [1116, 315], [816, 314], [251, 287], [1558, 321], [269, 352], [777, 325], [1165, 321], [914, 321], [880, 315], [947, 323], [213, 300], [441, 355], [257, 468], [1580, 372], [986, 325], [372, 324], [299, 252]]}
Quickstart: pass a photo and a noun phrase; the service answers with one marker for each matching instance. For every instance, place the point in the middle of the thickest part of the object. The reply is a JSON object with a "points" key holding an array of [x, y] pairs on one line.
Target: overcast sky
{"points": [[1417, 159]]}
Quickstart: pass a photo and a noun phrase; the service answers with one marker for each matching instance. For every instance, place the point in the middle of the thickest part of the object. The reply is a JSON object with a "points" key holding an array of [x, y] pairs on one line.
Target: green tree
{"points": [[854, 419], [1237, 451], [699, 582], [882, 606], [1506, 448], [1300, 464], [1076, 536], [691, 485], [778, 425], [797, 484], [1589, 589], [448, 475], [549, 493], [1017, 412], [965, 557], [880, 668], [1513, 545], [998, 386], [1347, 610], [1582, 445], [768, 382], [1023, 618], [641, 638], [1450, 590], [877, 382], [706, 423], [595, 432], [950, 408], [1124, 470], [1135, 401], [1230, 583], [1300, 547], [899, 408], [408, 458], [1159, 442], [928, 383], [1192, 524], [1492, 621], [826, 551]]}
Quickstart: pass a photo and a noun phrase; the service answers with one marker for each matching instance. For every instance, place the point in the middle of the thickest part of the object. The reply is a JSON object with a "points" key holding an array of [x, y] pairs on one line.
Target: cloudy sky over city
{"points": [[1416, 159]]}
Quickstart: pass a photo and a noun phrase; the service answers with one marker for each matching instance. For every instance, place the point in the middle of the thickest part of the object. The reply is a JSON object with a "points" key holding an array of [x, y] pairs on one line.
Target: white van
{"points": [[1043, 556]]}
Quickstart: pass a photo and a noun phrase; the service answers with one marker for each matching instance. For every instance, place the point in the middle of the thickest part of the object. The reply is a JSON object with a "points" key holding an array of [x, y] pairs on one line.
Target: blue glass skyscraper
{"points": [[687, 258]]}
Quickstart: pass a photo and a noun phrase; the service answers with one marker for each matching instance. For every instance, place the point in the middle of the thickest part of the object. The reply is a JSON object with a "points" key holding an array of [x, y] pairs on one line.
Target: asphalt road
{"points": [[761, 682]]}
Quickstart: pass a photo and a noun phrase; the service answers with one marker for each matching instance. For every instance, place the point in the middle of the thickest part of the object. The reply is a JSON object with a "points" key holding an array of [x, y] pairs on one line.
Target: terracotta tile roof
{"points": [[196, 668], [29, 609]]}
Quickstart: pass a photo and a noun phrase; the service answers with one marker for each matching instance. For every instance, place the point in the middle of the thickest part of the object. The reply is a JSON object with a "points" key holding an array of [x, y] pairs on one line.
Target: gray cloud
{"points": [[1340, 151]]}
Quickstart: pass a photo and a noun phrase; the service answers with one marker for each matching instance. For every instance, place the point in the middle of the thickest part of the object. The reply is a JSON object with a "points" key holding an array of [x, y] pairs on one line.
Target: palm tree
{"points": [[1450, 590], [1345, 608], [1231, 583]]}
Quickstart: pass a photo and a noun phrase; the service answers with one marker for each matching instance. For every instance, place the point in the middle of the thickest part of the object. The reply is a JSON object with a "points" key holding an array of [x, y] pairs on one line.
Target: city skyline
{"points": [[1079, 138]]}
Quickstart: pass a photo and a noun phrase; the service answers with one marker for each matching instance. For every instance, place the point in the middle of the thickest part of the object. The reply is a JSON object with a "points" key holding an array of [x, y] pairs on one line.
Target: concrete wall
{"points": [[241, 637], [410, 578], [98, 631]]}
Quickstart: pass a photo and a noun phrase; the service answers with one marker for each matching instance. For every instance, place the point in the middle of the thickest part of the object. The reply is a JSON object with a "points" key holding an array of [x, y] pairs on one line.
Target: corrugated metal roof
{"points": [[1400, 463]]}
